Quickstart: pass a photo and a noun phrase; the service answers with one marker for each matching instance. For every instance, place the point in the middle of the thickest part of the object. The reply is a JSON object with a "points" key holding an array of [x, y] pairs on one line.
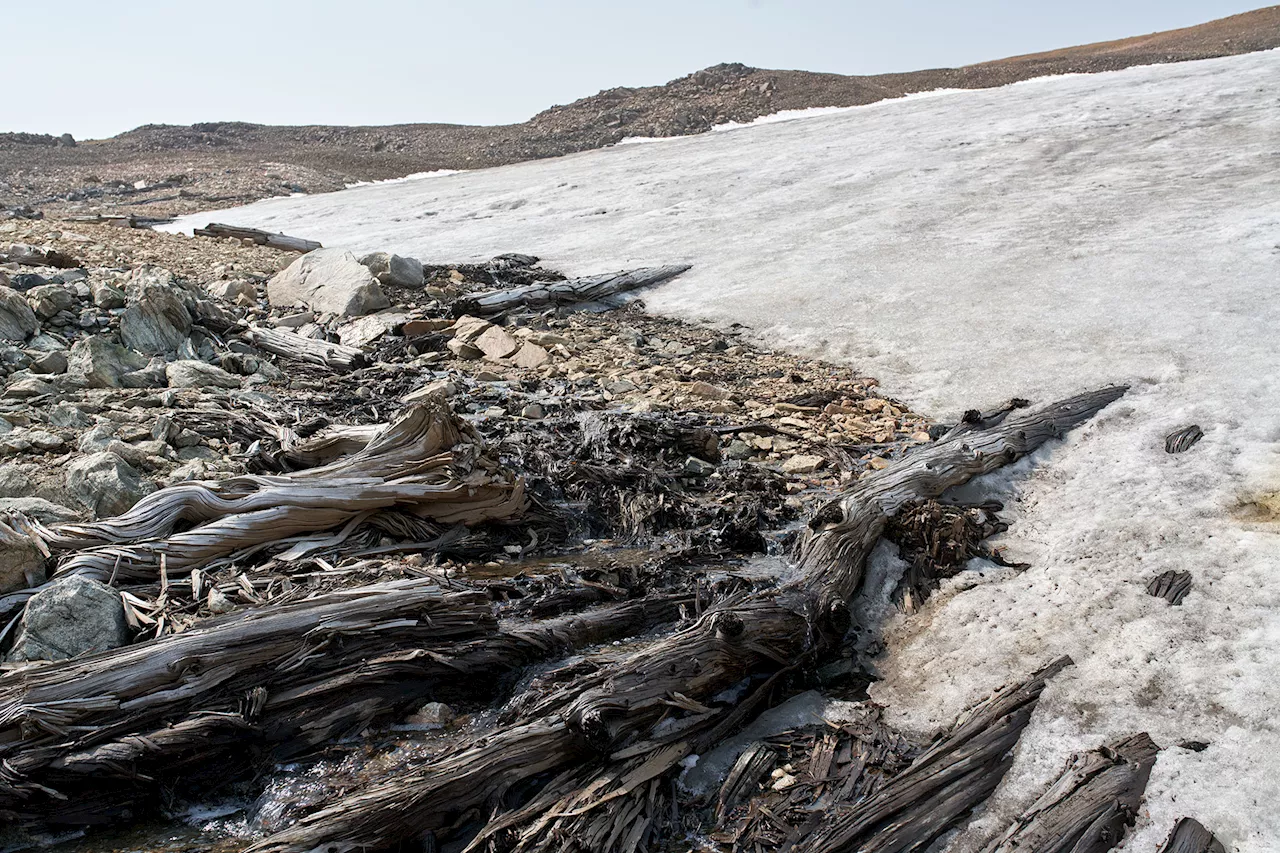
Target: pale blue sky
{"points": [[95, 68]]}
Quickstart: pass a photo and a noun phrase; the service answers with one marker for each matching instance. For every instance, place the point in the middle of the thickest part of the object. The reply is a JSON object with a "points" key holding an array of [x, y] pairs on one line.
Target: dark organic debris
{"points": [[1172, 586], [1182, 440]]}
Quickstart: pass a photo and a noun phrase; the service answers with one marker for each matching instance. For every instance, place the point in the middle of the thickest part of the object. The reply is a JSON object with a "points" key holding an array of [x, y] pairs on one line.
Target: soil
{"points": [[161, 170]]}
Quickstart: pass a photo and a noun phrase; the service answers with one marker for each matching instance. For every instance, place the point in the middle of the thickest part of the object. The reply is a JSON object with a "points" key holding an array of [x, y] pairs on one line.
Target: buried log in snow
{"points": [[262, 238], [1089, 806], [199, 708], [628, 723], [553, 293], [427, 463]]}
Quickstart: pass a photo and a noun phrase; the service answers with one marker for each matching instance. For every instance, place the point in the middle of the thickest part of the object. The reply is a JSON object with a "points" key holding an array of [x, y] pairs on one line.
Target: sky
{"points": [[110, 67]]}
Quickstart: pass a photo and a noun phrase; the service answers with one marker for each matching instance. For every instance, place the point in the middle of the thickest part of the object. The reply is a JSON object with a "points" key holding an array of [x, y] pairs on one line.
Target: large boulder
{"points": [[327, 280], [105, 484], [48, 300], [393, 269], [156, 319], [101, 362], [197, 374], [73, 615], [17, 320]]}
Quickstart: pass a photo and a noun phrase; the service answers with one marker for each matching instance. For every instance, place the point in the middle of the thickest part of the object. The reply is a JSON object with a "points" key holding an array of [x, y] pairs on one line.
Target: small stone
{"points": [[531, 357], [197, 374], [695, 467], [433, 715], [879, 463], [738, 449], [803, 464], [218, 603], [708, 391], [48, 300], [533, 412]]}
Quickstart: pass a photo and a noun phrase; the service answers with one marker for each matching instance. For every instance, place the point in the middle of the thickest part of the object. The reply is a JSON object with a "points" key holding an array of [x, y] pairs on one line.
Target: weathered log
{"points": [[941, 786], [1182, 440], [310, 350], [1089, 806], [1189, 836], [420, 464], [547, 294], [616, 710], [265, 685], [262, 238], [33, 256]]}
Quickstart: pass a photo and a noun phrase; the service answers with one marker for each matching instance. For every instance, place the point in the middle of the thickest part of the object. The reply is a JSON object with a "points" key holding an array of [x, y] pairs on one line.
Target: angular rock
{"points": [[21, 563], [803, 464], [495, 343], [154, 375], [708, 391], [197, 374], [17, 320], [102, 362], [44, 511], [531, 356], [107, 297], [367, 329], [105, 484], [156, 319], [393, 269], [72, 616], [48, 299], [234, 290], [327, 280], [49, 363]]}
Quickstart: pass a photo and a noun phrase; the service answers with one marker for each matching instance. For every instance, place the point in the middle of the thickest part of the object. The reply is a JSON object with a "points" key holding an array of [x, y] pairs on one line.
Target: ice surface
{"points": [[1032, 240]]}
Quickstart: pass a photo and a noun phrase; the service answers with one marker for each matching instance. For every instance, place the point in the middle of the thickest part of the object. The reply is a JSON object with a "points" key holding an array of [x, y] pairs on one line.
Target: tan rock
{"points": [[495, 343], [803, 464], [531, 356], [708, 391]]}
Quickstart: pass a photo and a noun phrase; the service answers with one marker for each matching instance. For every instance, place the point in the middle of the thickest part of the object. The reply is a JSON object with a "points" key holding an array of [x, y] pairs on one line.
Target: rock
{"points": [[48, 299], [69, 415], [433, 715], [156, 319], [197, 374], [439, 388], [106, 297], [72, 616], [467, 328], [17, 320], [44, 511], [21, 389], [49, 363], [294, 321], [462, 349], [393, 269], [218, 603], [738, 449], [367, 329], [105, 484], [533, 412], [531, 356], [327, 280], [102, 362], [45, 441], [708, 391], [695, 467], [154, 375], [237, 290], [803, 464], [495, 343], [420, 327]]}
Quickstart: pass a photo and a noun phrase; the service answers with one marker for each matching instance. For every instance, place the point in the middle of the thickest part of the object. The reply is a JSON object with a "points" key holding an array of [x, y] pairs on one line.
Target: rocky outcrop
{"points": [[17, 320], [101, 362], [328, 281], [105, 484]]}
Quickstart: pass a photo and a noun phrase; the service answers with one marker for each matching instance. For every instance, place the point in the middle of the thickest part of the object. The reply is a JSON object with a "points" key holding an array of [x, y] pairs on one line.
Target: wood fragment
{"points": [[1182, 440], [1172, 586], [262, 238], [310, 350], [1089, 806], [1189, 836]]}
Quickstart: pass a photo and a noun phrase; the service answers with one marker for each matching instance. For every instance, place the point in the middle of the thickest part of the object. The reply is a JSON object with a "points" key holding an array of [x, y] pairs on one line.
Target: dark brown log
{"points": [[615, 711], [86, 740], [548, 294], [941, 786], [1182, 440], [262, 238], [310, 350], [1089, 806], [1189, 836]]}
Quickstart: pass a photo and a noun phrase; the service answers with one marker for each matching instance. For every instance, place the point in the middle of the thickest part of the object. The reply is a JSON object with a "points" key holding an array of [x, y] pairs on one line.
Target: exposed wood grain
{"points": [[262, 238], [1189, 836], [553, 293], [300, 348]]}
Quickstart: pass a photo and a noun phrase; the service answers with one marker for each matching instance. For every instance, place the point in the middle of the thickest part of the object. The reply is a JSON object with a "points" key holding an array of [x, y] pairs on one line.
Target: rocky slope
{"points": [[157, 170]]}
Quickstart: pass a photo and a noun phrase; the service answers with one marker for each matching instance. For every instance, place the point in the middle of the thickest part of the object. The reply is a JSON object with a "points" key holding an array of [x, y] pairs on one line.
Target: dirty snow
{"points": [[1032, 240]]}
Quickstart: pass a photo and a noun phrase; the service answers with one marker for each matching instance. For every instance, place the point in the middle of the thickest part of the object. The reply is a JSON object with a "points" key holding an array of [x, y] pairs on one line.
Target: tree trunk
{"points": [[554, 293]]}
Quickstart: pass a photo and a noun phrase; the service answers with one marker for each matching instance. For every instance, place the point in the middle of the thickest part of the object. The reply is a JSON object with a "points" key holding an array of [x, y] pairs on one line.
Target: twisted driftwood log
{"points": [[201, 707], [546, 294], [631, 710], [426, 463]]}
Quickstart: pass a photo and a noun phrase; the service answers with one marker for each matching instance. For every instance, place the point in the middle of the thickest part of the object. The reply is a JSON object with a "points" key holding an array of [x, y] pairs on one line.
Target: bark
{"points": [[1189, 836], [556, 293]]}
